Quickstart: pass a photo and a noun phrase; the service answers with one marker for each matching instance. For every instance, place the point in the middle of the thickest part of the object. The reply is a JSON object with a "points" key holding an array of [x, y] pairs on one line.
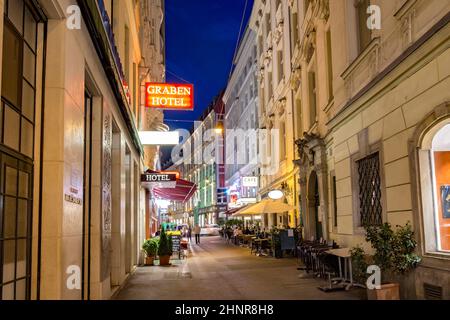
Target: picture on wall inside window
{"points": [[445, 193]]}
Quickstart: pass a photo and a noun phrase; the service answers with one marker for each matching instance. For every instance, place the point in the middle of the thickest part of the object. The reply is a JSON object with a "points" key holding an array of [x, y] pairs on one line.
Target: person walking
{"points": [[197, 234], [189, 234]]}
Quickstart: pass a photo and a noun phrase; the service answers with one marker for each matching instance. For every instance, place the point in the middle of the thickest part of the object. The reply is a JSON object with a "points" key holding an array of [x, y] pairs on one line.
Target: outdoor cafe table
{"points": [[246, 238], [343, 254], [259, 243]]}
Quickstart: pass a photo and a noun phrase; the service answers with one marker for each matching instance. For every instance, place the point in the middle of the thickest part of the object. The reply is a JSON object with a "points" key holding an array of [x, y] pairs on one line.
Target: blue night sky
{"points": [[201, 38]]}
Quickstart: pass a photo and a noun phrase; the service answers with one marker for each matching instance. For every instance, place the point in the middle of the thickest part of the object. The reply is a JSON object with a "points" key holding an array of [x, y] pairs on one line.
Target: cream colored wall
{"points": [[282, 111], [69, 54], [390, 112]]}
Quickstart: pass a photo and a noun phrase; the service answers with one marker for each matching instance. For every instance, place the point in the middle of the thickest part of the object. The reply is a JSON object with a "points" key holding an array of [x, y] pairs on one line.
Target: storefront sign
{"points": [[169, 96], [159, 177], [249, 181]]}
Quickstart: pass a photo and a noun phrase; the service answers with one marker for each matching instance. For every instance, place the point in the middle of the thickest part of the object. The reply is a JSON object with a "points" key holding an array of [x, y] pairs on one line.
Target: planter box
{"points": [[389, 291]]}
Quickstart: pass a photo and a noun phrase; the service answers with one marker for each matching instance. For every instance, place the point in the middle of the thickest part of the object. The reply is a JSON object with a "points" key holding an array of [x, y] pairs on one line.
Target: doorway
{"points": [[87, 182], [315, 225]]}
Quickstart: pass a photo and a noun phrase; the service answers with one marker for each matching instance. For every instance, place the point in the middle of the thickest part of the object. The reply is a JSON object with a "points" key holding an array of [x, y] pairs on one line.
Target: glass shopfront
{"points": [[441, 175], [17, 114]]}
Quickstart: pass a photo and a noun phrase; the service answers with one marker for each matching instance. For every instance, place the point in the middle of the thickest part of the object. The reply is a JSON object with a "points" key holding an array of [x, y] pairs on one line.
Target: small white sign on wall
{"points": [[249, 181]]}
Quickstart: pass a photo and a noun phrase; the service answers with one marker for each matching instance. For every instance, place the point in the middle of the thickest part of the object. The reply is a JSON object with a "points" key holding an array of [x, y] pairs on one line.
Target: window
{"points": [[17, 114], [329, 66], [440, 168], [282, 142], [312, 98], [280, 66], [364, 34], [268, 25], [295, 31], [306, 4], [127, 54], [270, 89], [335, 211], [369, 183]]}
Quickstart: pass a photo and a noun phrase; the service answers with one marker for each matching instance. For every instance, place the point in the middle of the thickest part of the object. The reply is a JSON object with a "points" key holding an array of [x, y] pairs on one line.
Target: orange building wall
{"points": [[442, 169]]}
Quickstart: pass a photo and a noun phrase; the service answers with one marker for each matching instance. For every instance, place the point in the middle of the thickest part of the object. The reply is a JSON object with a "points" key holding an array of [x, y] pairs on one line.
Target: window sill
{"points": [[362, 56]]}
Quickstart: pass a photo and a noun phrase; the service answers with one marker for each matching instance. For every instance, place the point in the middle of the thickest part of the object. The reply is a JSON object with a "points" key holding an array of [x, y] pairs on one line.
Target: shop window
{"points": [[17, 114], [437, 220]]}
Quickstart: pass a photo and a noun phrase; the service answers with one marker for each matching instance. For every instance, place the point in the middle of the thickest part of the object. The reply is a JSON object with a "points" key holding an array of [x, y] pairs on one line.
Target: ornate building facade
{"points": [[366, 87], [270, 20]]}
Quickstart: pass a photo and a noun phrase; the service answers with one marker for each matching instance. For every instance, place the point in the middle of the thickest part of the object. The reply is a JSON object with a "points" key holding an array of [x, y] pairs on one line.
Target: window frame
{"points": [[366, 149], [425, 201]]}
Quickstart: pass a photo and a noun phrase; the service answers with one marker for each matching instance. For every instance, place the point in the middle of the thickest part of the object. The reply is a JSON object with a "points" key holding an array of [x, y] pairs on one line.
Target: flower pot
{"points": [[389, 291], [164, 260], [149, 260]]}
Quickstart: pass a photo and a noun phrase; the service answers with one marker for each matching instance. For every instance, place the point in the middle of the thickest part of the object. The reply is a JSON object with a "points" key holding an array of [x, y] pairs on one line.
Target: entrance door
{"points": [[86, 240], [16, 200], [314, 225], [319, 232]]}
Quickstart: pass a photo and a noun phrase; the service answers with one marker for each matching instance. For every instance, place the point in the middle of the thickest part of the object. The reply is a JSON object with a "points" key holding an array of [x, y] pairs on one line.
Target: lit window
{"points": [[440, 164]]}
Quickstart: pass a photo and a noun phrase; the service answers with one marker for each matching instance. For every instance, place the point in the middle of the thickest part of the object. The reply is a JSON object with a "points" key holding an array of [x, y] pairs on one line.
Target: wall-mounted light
{"points": [[276, 194]]}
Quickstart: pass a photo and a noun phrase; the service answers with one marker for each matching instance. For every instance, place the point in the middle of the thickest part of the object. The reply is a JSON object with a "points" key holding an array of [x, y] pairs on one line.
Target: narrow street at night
{"points": [[218, 270], [275, 152]]}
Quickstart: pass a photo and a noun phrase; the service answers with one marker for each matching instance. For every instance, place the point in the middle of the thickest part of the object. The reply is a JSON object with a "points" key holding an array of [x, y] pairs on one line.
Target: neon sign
{"points": [[169, 96]]}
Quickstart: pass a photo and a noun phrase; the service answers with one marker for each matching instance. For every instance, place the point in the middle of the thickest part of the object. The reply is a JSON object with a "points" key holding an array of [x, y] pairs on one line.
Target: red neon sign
{"points": [[169, 96]]}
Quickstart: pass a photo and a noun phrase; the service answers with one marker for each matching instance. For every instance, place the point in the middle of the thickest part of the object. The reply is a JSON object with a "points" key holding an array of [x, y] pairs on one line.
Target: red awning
{"points": [[183, 191]]}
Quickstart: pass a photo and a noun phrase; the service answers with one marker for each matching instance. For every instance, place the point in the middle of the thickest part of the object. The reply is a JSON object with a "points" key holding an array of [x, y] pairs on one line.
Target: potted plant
{"points": [[150, 247], [394, 255], [164, 249]]}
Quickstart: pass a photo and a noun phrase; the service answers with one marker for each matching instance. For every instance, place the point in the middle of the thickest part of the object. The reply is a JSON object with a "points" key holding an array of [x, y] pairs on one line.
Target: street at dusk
{"points": [[218, 158]]}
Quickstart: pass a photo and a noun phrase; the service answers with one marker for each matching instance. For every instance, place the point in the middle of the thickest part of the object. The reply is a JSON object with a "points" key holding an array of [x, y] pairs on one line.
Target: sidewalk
{"points": [[219, 271]]}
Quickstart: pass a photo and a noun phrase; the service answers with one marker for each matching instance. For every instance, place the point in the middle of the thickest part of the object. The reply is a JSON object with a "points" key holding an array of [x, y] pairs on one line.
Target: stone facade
{"points": [[270, 20], [357, 95], [87, 213], [241, 124]]}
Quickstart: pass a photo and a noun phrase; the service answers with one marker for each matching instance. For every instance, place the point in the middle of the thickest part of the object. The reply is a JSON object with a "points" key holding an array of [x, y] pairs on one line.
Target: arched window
{"points": [[434, 158]]}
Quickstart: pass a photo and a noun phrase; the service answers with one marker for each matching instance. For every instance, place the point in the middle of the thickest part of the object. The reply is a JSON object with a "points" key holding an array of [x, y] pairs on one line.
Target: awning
{"points": [[265, 206], [182, 191], [234, 210]]}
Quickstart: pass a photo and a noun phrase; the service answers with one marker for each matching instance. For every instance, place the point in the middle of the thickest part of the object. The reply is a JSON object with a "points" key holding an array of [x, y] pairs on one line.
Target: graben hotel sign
{"points": [[169, 96]]}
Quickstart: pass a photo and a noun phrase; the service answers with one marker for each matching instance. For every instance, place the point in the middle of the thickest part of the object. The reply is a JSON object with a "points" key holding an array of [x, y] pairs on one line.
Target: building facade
{"points": [[241, 126], [371, 116], [271, 20], [71, 212], [366, 85], [200, 159], [388, 130]]}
